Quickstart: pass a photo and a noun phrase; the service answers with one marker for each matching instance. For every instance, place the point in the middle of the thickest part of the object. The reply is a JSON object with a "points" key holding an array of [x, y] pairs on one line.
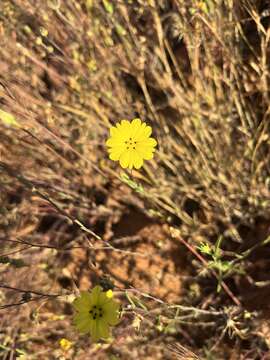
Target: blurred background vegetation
{"points": [[185, 240]]}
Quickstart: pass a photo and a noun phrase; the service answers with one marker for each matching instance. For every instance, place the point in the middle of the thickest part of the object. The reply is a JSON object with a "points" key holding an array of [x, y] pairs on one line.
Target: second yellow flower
{"points": [[130, 143]]}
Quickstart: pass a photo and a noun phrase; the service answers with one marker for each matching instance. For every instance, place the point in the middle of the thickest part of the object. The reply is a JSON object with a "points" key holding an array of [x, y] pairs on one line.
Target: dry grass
{"points": [[198, 73]]}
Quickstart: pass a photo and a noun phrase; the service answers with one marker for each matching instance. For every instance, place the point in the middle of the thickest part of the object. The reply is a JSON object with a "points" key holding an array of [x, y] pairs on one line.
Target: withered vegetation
{"points": [[186, 239]]}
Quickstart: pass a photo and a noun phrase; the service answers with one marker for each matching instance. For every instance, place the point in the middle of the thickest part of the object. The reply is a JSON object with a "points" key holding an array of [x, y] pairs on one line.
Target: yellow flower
{"points": [[65, 344], [96, 311], [130, 143]]}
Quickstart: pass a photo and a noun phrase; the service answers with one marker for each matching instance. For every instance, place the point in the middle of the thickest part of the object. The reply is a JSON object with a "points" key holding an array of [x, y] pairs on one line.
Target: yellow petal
{"points": [[147, 142], [111, 306], [111, 312], [95, 293], [124, 123], [147, 131], [83, 302], [143, 133], [80, 316], [115, 141], [136, 122], [131, 163], [115, 155], [106, 297], [103, 299], [116, 152], [147, 153], [93, 331], [99, 329], [139, 131], [125, 159], [124, 128], [84, 325], [136, 125], [103, 328], [114, 131], [137, 159]]}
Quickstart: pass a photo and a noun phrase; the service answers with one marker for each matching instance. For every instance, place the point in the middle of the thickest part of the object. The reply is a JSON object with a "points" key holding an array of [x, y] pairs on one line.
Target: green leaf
{"points": [[217, 252], [130, 300], [135, 186]]}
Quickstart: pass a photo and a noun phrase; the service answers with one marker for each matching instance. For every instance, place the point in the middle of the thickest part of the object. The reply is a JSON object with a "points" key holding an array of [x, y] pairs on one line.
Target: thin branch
{"points": [[28, 296], [204, 262], [3, 286], [16, 174]]}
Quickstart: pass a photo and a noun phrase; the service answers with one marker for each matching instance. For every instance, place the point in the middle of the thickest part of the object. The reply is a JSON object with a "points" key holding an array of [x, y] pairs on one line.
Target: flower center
{"points": [[96, 312], [130, 144]]}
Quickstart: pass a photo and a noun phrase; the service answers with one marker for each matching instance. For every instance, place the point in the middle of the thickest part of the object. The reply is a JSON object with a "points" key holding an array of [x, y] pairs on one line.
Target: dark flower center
{"points": [[130, 144], [96, 312]]}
